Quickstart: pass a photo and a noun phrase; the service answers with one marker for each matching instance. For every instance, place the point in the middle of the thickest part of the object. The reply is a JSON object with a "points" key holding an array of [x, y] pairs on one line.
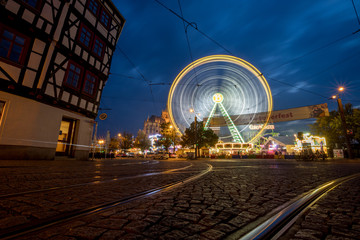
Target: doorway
{"points": [[66, 135]]}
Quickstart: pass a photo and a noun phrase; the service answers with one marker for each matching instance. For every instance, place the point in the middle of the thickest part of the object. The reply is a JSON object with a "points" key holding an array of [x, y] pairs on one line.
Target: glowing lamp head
{"points": [[340, 89], [218, 98]]}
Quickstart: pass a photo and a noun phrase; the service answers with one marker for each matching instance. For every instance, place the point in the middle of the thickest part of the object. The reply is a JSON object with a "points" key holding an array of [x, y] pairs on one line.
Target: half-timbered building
{"points": [[55, 58]]}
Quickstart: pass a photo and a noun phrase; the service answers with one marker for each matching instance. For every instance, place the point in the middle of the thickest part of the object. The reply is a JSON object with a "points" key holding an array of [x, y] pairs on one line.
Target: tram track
{"points": [[113, 179], [41, 224], [275, 224]]}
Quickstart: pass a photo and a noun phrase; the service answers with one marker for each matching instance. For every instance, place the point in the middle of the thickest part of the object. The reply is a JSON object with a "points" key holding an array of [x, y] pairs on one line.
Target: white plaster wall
{"points": [[29, 123], [13, 71]]}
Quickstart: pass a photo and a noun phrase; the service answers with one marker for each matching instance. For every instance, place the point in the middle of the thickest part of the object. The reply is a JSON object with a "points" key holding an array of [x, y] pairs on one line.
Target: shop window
{"points": [[73, 75], [13, 46], [89, 84]]}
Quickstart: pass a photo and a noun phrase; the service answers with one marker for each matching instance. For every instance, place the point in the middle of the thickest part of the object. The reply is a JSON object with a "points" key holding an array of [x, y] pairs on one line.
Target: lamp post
{"points": [[101, 142], [173, 136], [195, 125], [343, 121], [94, 140]]}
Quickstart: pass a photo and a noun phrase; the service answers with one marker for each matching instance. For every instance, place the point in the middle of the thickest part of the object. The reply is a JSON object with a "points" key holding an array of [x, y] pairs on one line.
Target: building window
{"points": [[93, 7], [33, 3], [90, 83], [73, 75], [98, 47], [104, 18], [12, 46], [98, 11], [85, 36]]}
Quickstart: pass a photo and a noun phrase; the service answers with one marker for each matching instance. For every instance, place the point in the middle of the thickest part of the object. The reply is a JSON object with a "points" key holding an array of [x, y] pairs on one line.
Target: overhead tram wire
{"points": [[195, 27], [315, 50], [357, 16], [142, 76], [125, 76], [285, 63], [293, 86], [188, 44]]}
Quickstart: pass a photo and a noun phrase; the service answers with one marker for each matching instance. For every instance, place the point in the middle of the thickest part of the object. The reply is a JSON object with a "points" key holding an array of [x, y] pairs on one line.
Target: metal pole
{"points": [[195, 136], [174, 140], [94, 140], [342, 115]]}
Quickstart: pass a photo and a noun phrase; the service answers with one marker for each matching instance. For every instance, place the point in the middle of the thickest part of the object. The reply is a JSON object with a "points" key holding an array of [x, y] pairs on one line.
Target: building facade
{"points": [[152, 125], [55, 58]]}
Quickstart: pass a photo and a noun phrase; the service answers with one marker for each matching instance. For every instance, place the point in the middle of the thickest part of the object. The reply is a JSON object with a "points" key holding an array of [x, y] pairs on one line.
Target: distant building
{"points": [[152, 125], [165, 115], [55, 58], [280, 143]]}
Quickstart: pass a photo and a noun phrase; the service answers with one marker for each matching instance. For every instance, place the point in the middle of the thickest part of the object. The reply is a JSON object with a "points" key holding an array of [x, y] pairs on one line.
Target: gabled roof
{"points": [[282, 140]]}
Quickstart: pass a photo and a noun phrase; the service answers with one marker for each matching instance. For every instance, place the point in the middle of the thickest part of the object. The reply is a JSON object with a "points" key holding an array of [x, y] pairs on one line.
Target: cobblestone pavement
{"points": [[222, 204], [335, 216]]}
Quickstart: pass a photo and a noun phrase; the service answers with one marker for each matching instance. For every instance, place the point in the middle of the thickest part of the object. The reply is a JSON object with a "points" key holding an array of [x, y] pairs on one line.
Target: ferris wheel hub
{"points": [[218, 98]]}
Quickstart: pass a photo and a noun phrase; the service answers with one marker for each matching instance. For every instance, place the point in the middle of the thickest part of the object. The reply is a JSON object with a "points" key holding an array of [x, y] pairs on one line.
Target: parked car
{"points": [[149, 155], [130, 154], [161, 156], [173, 155]]}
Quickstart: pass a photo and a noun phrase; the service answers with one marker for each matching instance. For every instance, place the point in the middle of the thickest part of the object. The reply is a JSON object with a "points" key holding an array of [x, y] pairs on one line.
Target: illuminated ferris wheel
{"points": [[226, 92]]}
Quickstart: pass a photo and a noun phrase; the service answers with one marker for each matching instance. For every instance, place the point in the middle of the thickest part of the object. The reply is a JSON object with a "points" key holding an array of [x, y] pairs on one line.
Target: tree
{"points": [[165, 139], [142, 141], [200, 136], [331, 127], [114, 143], [126, 140]]}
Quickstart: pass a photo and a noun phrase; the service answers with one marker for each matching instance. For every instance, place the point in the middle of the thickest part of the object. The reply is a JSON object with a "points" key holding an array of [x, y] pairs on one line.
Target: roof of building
{"points": [[284, 140]]}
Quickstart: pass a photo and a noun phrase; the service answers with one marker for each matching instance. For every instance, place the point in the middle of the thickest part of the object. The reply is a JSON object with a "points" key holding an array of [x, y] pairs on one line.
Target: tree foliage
{"points": [[142, 141], [203, 138], [126, 141], [166, 136], [114, 143], [331, 127]]}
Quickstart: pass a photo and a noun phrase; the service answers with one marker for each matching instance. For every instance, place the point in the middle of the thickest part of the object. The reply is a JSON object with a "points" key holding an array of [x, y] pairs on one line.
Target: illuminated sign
{"points": [[259, 126], [291, 114]]}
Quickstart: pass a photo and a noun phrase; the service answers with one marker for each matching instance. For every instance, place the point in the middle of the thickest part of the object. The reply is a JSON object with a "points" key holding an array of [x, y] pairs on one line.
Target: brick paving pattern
{"points": [[233, 197], [336, 216]]}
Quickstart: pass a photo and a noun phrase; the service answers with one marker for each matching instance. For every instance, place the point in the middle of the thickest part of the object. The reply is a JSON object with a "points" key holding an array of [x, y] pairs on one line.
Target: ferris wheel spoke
{"points": [[233, 129], [220, 77], [211, 115]]}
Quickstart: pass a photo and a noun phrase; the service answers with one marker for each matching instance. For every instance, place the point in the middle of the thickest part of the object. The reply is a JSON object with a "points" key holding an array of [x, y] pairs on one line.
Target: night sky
{"points": [[305, 49]]}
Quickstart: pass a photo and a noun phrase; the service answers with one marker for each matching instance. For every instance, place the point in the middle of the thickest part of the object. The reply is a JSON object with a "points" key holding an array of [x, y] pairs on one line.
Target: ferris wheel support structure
{"points": [[218, 98]]}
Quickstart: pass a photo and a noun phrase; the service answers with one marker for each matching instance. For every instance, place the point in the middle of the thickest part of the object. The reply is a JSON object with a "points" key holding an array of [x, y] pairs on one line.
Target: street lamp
{"points": [[173, 135], [101, 142], [343, 121], [195, 125]]}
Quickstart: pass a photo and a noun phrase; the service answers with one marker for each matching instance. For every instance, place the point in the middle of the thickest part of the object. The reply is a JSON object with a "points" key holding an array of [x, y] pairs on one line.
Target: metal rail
{"points": [[21, 230], [94, 182], [277, 225]]}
